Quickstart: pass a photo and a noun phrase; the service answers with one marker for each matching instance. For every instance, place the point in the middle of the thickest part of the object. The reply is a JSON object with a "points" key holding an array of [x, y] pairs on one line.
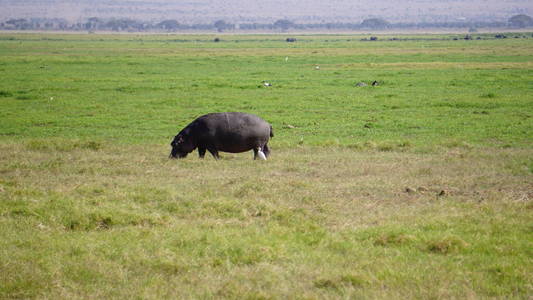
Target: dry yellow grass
{"points": [[324, 222]]}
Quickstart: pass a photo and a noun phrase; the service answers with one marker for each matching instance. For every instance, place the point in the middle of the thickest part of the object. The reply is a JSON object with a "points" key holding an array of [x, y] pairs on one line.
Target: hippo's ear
{"points": [[177, 140]]}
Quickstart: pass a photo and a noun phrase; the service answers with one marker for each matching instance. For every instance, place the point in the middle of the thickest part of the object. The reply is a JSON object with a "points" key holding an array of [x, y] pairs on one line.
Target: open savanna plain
{"points": [[420, 187]]}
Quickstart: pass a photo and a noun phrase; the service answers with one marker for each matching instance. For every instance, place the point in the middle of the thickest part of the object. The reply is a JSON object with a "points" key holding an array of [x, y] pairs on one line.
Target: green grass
{"points": [[156, 86], [417, 188]]}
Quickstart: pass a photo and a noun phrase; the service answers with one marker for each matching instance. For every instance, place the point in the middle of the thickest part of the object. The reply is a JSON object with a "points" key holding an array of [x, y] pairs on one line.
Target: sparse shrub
{"points": [[102, 222], [393, 238], [355, 146], [385, 147], [91, 145], [355, 281], [5, 94], [125, 89], [73, 225], [446, 245], [488, 95], [326, 284]]}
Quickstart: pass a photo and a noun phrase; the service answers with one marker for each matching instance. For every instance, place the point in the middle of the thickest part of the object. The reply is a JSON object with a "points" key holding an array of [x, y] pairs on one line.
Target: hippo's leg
{"points": [[266, 150], [213, 152], [201, 152]]}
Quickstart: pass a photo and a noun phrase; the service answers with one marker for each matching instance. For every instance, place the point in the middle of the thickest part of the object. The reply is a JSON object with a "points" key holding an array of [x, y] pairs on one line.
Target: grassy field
{"points": [[420, 187]]}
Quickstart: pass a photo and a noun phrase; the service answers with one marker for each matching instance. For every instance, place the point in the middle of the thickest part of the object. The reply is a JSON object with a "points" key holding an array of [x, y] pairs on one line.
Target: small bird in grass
{"points": [[267, 83]]}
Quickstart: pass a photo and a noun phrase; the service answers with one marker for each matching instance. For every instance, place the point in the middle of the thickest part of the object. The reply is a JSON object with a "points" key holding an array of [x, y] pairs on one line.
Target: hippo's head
{"points": [[181, 146]]}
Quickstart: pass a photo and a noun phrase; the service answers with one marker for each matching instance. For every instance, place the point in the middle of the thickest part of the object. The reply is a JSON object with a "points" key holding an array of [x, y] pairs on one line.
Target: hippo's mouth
{"points": [[174, 155]]}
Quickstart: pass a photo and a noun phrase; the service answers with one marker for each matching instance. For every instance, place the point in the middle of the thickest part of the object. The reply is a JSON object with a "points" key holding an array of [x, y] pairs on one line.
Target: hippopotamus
{"points": [[232, 132]]}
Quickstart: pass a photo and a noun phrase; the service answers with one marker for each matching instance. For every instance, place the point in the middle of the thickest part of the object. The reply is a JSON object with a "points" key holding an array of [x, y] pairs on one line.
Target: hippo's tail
{"points": [[271, 131]]}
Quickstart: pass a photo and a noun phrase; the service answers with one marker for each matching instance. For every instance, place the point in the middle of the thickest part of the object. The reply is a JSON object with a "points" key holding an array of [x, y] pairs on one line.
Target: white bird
{"points": [[286, 58], [267, 83], [261, 154], [317, 68]]}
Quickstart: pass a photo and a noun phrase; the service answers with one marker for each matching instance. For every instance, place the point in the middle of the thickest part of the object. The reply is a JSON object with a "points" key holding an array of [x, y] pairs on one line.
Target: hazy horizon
{"points": [[238, 11]]}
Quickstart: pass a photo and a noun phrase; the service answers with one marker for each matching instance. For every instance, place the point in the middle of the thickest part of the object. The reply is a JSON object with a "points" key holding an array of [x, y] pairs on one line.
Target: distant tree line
{"points": [[132, 25]]}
